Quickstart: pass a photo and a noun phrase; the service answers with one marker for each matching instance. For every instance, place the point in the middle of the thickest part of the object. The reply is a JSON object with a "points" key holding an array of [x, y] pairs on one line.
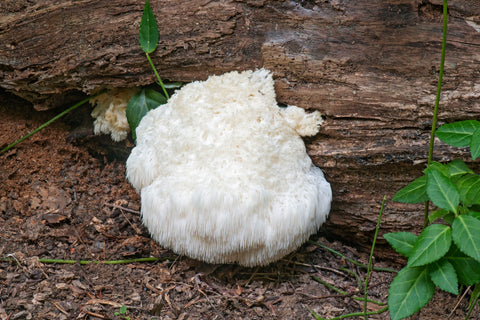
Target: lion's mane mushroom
{"points": [[109, 113], [223, 174]]}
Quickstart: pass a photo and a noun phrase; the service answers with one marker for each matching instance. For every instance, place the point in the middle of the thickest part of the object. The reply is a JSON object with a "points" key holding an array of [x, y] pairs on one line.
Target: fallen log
{"points": [[370, 67]]}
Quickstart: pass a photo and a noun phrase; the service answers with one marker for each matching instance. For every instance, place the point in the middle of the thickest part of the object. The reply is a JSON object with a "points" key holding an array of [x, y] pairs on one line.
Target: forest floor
{"points": [[63, 195]]}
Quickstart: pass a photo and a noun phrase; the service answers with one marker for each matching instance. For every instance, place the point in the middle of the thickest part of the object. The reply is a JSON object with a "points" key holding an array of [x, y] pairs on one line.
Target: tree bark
{"points": [[371, 67]]}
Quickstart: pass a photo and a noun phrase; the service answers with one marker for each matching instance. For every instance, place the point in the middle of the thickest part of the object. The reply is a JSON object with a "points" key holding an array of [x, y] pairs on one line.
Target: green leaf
{"points": [[431, 245], [140, 104], [474, 214], [475, 295], [437, 214], [458, 134], [443, 275], [440, 167], [402, 242], [449, 217], [148, 35], [475, 144], [466, 235], [469, 189], [467, 268], [409, 291], [441, 191], [414, 192], [458, 168], [173, 85]]}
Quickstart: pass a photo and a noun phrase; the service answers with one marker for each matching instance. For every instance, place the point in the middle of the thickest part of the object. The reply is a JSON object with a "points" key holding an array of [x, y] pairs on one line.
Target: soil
{"points": [[63, 195]]}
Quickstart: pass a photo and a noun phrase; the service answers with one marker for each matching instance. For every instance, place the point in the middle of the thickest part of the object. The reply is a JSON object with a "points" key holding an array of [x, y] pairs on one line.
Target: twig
{"points": [[122, 208], [458, 302], [60, 308], [94, 314]]}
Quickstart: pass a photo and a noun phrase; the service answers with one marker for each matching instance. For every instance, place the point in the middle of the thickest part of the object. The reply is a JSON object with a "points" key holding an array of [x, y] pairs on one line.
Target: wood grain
{"points": [[370, 67]]}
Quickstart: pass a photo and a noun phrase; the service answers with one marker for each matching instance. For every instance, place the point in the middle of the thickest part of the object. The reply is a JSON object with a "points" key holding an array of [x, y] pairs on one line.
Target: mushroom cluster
{"points": [[223, 173], [110, 113]]}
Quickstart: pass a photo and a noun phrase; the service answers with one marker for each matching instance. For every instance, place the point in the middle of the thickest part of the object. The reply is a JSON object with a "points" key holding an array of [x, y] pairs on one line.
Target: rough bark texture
{"points": [[369, 66]]}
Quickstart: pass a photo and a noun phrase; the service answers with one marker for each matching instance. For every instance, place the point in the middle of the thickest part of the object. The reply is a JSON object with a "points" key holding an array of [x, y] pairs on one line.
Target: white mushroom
{"points": [[223, 174], [109, 113]]}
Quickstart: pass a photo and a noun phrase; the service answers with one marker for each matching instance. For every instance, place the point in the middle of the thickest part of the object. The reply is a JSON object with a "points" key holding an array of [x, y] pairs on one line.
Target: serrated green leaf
{"points": [[474, 214], [444, 276], [409, 291], [469, 189], [414, 192], [437, 214], [140, 104], [466, 235], [458, 134], [467, 268], [431, 245], [148, 34], [458, 168], [449, 217], [440, 167], [475, 144], [441, 191], [402, 242]]}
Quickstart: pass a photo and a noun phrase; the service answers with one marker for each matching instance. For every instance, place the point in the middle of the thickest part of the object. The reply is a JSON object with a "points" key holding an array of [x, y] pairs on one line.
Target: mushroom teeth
{"points": [[223, 174]]}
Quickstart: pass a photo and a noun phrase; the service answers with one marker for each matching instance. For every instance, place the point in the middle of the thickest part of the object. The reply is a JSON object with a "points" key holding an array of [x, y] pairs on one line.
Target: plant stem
{"points": [[351, 260], [158, 76], [437, 100], [350, 315], [370, 258], [48, 123], [83, 262], [344, 293], [473, 304]]}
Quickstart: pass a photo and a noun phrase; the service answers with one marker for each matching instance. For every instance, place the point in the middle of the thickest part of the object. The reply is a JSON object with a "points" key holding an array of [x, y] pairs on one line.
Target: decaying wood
{"points": [[369, 66]]}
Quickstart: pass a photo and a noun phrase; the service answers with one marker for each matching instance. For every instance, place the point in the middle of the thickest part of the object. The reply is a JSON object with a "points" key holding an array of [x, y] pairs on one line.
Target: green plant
{"points": [[369, 268], [58, 116], [146, 99], [448, 254], [122, 312], [444, 255]]}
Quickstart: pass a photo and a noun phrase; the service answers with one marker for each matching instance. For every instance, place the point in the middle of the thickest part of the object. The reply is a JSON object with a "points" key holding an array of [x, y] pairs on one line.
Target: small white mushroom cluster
{"points": [[110, 113], [224, 175]]}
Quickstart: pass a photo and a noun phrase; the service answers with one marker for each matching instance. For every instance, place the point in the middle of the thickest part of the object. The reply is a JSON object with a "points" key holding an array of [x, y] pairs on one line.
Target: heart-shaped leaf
{"points": [[140, 104]]}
